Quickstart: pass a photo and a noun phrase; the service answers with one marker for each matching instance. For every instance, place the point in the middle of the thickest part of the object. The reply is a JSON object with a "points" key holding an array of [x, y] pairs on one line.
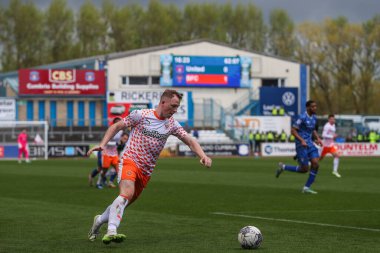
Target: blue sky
{"points": [[356, 11]]}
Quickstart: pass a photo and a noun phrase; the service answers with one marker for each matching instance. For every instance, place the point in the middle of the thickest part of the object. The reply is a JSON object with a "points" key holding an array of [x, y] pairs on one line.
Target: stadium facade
{"points": [[218, 81]]}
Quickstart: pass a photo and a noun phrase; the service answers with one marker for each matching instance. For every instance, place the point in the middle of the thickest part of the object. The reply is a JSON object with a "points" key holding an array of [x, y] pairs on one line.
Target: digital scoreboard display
{"points": [[205, 71]]}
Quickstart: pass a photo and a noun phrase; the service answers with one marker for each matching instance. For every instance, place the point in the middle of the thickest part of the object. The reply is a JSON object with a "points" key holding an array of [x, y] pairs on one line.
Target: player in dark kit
{"points": [[304, 130]]}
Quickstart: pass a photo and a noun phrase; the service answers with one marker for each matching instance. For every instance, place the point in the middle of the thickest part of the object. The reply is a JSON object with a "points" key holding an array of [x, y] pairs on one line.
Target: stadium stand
{"points": [[205, 136]]}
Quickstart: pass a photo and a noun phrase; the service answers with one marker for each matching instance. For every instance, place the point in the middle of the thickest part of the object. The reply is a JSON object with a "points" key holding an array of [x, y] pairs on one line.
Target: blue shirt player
{"points": [[304, 129]]}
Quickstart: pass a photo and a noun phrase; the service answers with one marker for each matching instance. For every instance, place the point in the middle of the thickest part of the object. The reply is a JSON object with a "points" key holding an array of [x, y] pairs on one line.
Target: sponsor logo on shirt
{"points": [[155, 134]]}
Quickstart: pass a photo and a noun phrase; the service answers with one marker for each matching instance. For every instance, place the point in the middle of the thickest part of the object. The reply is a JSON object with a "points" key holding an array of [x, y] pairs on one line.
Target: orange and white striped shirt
{"points": [[148, 137]]}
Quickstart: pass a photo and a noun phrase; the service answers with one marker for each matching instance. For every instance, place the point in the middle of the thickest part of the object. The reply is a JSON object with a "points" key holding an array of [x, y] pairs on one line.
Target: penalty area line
{"points": [[295, 221]]}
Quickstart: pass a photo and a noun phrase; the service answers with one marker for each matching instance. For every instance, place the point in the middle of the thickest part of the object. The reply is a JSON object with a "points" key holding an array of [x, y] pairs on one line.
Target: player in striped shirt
{"points": [[150, 128]]}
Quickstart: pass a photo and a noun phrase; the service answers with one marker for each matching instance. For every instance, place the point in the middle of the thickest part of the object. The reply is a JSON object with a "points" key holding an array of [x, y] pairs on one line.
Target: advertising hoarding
{"points": [[7, 109], [38, 151], [61, 82], [217, 149], [345, 149], [119, 103], [271, 97]]}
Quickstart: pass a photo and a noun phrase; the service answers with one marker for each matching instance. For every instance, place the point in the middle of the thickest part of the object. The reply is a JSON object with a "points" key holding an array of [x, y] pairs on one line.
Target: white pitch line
{"points": [[296, 221], [317, 211]]}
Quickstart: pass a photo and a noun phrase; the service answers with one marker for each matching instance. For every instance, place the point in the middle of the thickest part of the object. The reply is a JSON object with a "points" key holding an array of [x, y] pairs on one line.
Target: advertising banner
{"points": [[11, 151], [123, 109], [59, 151], [61, 82], [286, 98], [7, 109], [8, 151], [217, 149], [263, 123], [345, 149], [359, 149], [242, 125], [278, 149], [120, 103]]}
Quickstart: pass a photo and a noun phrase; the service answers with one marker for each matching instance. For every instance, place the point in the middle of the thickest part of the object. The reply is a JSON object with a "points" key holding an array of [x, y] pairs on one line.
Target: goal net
{"points": [[37, 132]]}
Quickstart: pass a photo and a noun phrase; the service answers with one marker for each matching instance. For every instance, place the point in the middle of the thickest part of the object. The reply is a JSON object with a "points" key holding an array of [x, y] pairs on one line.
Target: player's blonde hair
{"points": [[170, 93]]}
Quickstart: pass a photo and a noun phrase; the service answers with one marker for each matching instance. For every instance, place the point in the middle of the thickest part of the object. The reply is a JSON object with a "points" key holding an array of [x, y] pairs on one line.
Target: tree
{"points": [[281, 34], [91, 31], [243, 26], [311, 42], [367, 89], [344, 61], [161, 24], [201, 21], [21, 36], [59, 28], [256, 28]]}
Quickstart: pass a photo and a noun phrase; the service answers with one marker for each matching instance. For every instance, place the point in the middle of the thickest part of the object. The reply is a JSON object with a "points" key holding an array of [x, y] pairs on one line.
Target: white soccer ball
{"points": [[250, 237]]}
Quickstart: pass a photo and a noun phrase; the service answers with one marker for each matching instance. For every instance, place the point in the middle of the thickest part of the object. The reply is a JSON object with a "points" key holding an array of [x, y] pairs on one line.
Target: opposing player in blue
{"points": [[304, 129]]}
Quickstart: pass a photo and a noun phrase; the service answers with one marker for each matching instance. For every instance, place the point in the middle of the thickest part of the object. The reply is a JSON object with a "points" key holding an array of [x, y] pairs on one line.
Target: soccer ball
{"points": [[250, 237]]}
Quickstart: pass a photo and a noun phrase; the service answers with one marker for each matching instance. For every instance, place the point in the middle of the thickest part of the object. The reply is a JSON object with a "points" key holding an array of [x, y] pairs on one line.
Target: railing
{"points": [[242, 102]]}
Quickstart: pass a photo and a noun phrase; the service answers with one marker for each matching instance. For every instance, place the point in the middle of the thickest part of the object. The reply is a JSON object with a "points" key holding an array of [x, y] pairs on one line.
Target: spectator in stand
{"points": [[263, 137], [257, 143], [270, 136], [283, 136], [196, 134], [274, 111], [23, 147], [360, 137], [372, 136], [281, 111], [251, 141]]}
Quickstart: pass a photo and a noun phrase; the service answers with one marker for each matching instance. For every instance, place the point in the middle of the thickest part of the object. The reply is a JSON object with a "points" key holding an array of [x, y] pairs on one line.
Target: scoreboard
{"points": [[205, 71]]}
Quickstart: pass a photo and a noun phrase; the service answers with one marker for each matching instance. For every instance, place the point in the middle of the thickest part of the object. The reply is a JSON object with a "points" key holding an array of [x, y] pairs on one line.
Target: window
{"points": [[81, 118], [270, 82], [70, 113], [53, 113], [135, 80], [138, 80], [29, 110], [41, 110], [155, 80], [124, 80]]}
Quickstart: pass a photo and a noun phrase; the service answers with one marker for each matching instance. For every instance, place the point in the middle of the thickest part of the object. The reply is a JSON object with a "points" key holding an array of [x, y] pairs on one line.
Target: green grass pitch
{"points": [[47, 206]]}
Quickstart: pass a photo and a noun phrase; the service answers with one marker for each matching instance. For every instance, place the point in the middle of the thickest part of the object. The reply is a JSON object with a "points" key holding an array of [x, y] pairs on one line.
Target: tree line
{"points": [[344, 57]]}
